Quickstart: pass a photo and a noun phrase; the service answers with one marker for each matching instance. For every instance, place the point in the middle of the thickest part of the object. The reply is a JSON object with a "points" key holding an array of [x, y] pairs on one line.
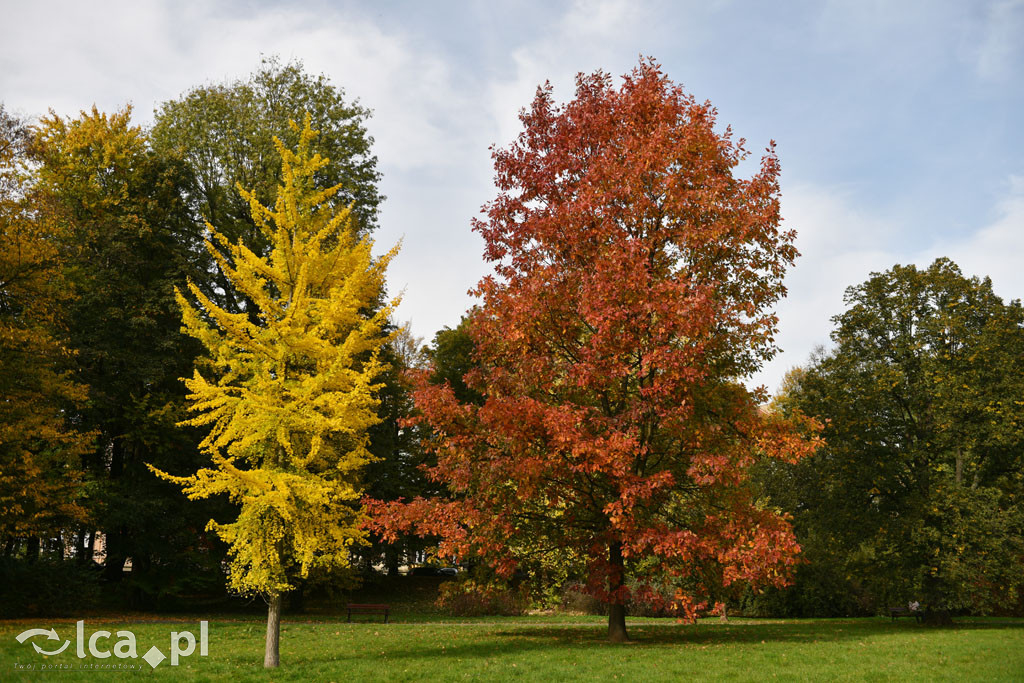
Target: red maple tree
{"points": [[633, 287]]}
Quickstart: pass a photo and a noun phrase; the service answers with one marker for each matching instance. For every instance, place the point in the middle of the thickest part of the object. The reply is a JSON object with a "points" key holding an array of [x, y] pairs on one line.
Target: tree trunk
{"points": [[272, 656], [113, 564], [32, 549], [391, 559], [617, 623], [90, 550], [80, 541], [616, 580], [115, 542]]}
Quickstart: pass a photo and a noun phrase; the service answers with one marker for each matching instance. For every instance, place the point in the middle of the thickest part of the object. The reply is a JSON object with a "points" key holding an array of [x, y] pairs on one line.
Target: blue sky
{"points": [[900, 125]]}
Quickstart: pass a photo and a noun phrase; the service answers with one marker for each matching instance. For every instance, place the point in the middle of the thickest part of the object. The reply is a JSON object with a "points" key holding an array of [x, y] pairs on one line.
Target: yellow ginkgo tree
{"points": [[289, 388]]}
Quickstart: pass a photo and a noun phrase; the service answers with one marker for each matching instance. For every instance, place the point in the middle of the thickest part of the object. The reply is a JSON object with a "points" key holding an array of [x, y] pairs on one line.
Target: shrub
{"points": [[818, 591], [469, 598], [576, 600], [46, 588]]}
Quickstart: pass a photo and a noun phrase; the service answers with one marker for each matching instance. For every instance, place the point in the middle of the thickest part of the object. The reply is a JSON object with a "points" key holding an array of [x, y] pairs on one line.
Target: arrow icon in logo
{"points": [[50, 635], [55, 652]]}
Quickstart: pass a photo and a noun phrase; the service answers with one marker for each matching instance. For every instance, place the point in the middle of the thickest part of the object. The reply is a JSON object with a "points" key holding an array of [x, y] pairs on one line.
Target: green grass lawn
{"points": [[548, 648]]}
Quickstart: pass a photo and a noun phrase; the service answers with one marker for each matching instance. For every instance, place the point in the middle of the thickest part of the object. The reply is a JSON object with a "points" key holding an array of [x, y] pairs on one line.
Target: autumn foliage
{"points": [[633, 290], [290, 392], [40, 477]]}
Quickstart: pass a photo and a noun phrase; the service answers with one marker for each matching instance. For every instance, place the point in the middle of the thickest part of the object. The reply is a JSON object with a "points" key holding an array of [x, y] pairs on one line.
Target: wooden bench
{"points": [[896, 612], [368, 609]]}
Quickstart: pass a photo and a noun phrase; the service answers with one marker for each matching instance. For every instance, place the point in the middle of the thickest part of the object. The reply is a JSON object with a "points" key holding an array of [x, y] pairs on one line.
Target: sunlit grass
{"points": [[557, 648]]}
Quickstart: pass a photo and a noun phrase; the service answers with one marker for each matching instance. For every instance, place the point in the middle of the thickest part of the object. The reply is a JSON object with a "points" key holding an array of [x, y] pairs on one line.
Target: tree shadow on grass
{"points": [[704, 634], [501, 641]]}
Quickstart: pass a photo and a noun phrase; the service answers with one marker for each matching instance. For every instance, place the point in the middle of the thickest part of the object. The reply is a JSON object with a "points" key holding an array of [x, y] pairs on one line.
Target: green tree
{"points": [[396, 472], [918, 492], [451, 356], [225, 133], [289, 399], [398, 441]]}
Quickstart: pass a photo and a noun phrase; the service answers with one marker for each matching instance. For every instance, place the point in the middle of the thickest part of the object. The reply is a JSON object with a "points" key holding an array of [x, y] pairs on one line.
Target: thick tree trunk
{"points": [[272, 656], [616, 580], [617, 623]]}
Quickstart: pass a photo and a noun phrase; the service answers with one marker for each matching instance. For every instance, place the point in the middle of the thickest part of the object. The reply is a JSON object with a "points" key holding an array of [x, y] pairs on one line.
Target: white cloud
{"points": [[591, 35], [438, 105], [430, 132], [151, 52], [840, 244], [448, 259], [996, 250]]}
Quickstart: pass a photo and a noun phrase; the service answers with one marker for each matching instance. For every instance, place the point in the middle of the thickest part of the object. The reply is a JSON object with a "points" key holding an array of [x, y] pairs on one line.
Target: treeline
{"points": [[99, 221], [916, 491]]}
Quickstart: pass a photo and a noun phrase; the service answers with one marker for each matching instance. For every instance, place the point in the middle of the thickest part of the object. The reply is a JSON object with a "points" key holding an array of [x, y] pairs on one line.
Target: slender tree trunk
{"points": [[272, 656], [391, 559], [80, 547], [959, 466], [113, 564], [115, 538], [616, 580], [32, 549]]}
